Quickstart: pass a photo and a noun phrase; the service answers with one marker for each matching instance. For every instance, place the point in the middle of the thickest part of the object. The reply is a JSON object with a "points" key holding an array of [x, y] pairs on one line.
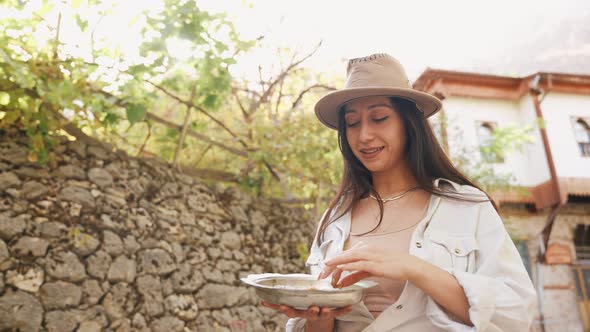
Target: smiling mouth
{"points": [[372, 151]]}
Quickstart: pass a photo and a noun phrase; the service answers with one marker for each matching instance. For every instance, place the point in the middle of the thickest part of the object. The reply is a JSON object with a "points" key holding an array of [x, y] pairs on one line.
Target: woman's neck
{"points": [[394, 181]]}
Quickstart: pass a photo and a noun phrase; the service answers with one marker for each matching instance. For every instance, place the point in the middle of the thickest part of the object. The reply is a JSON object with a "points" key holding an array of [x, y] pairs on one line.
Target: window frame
{"points": [[583, 147], [492, 125]]}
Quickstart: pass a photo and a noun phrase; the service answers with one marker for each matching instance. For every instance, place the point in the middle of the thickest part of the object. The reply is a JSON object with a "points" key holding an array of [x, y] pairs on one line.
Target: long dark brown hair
{"points": [[423, 153]]}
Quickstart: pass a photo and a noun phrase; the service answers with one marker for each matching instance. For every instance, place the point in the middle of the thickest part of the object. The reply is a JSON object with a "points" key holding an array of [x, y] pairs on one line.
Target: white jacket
{"points": [[467, 239]]}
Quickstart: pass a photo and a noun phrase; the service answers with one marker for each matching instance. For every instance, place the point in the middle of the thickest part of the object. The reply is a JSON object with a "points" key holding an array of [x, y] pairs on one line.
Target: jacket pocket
{"points": [[454, 251]]}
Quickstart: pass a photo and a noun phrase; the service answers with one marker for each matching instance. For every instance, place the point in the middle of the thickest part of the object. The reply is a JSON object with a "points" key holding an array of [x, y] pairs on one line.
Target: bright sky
{"points": [[420, 33], [454, 34]]}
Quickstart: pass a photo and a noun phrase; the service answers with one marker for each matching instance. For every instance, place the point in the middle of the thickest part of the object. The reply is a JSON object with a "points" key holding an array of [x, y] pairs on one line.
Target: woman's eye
{"points": [[352, 124], [381, 119]]}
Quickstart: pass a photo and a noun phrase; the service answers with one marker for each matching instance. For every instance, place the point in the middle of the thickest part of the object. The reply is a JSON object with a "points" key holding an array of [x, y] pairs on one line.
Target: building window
{"points": [[582, 132], [485, 135], [582, 243]]}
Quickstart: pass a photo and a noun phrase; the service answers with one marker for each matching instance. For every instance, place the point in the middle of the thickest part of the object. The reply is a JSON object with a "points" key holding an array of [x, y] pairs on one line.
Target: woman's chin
{"points": [[374, 167], [378, 166]]}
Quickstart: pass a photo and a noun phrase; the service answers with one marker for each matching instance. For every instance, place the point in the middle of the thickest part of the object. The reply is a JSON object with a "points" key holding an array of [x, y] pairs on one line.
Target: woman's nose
{"points": [[366, 132]]}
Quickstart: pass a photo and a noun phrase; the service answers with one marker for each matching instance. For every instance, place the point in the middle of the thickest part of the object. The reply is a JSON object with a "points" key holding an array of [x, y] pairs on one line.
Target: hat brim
{"points": [[326, 109]]}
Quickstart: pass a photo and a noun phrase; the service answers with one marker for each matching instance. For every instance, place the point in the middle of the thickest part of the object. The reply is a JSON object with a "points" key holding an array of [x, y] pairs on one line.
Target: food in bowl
{"points": [[301, 291]]}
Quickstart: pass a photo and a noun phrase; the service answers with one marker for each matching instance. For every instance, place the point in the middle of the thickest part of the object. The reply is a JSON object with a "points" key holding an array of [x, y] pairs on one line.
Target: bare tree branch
{"points": [[277, 176], [242, 108], [184, 129], [200, 109], [57, 31], [280, 77], [175, 126], [247, 117], [315, 86], [92, 36], [278, 103], [147, 137], [202, 155], [248, 91], [197, 135]]}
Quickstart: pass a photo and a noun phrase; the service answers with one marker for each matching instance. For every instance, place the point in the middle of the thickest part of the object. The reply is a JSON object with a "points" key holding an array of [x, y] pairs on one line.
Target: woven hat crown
{"points": [[378, 74], [378, 69]]}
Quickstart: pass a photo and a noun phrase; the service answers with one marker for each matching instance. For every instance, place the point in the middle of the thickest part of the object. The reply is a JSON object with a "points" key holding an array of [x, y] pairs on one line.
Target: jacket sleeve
{"points": [[500, 293], [315, 264]]}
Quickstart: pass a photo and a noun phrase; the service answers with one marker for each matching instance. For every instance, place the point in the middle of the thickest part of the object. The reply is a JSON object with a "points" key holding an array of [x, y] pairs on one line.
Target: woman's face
{"points": [[375, 133]]}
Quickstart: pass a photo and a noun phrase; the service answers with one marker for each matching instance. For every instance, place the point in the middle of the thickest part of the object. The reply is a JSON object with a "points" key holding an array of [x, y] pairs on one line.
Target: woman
{"points": [[407, 218]]}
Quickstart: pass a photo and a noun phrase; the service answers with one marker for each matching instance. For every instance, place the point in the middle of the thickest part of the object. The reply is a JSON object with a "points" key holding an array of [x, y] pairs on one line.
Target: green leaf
{"points": [[210, 101], [82, 23], [135, 113], [137, 69], [11, 117], [4, 98], [110, 119]]}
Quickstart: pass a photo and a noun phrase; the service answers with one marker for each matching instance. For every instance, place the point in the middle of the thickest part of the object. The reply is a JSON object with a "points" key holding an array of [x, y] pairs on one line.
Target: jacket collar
{"points": [[439, 182]]}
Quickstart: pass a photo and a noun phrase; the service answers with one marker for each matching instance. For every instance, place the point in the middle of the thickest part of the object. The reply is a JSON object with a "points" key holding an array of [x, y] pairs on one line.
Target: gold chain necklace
{"points": [[385, 231], [393, 198]]}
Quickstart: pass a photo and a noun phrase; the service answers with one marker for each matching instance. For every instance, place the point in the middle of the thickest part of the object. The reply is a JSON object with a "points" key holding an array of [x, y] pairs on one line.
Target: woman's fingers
{"points": [[326, 272], [336, 277], [367, 266], [292, 312], [341, 311], [328, 269], [312, 313], [352, 255], [288, 311], [325, 313], [270, 305], [317, 313], [353, 278]]}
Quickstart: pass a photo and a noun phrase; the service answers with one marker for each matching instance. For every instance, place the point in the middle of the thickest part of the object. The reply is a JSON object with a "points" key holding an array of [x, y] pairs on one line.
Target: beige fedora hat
{"points": [[375, 75]]}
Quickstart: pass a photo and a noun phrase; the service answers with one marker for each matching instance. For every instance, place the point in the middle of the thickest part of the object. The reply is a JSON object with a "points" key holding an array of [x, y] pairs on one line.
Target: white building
{"points": [[547, 208]]}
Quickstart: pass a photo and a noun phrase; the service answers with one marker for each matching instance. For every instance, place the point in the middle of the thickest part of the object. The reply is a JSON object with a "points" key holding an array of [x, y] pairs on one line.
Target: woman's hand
{"points": [[369, 261], [313, 313]]}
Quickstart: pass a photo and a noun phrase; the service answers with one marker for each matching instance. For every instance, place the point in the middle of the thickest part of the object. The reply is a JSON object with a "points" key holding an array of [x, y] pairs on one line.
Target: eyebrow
{"points": [[347, 110]]}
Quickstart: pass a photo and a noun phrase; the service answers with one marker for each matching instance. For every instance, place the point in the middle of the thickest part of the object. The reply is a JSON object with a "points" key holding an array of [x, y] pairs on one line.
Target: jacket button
{"points": [[399, 307], [457, 251], [418, 244]]}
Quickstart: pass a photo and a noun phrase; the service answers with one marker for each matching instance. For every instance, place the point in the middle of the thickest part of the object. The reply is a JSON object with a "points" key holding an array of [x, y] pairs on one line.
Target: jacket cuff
{"points": [[480, 293], [295, 325]]}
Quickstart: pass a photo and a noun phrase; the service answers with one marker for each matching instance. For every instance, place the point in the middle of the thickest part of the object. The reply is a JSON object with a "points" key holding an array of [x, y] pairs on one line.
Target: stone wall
{"points": [[100, 241]]}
